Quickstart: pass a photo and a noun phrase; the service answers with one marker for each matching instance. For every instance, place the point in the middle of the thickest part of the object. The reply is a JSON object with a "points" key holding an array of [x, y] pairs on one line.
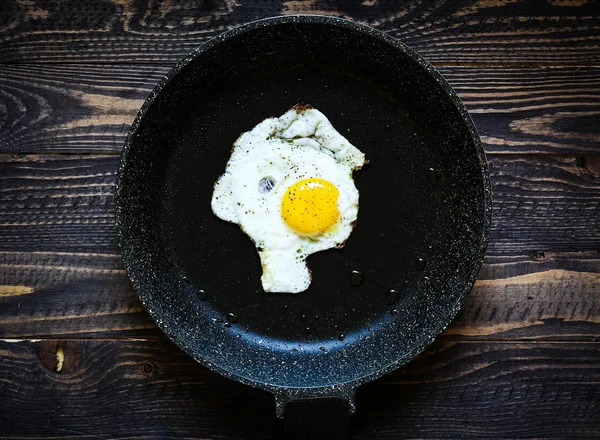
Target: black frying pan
{"points": [[423, 222]]}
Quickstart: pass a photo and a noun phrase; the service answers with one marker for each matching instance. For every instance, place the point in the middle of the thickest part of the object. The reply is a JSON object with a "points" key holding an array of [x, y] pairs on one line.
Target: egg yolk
{"points": [[310, 206]]}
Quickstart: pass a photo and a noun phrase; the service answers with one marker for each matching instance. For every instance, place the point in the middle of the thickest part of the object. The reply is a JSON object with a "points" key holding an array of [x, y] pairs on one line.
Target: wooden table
{"points": [[80, 358]]}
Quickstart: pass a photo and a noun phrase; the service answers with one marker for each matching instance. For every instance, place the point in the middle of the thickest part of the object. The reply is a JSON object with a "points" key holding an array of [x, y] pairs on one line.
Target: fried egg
{"points": [[288, 185]]}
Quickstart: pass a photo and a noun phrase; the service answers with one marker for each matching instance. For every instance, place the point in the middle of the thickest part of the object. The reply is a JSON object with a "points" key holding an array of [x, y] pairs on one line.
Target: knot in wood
{"points": [[148, 368], [62, 357]]}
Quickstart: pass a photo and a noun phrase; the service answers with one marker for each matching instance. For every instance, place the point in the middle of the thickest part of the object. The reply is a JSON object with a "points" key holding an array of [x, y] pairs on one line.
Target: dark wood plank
{"points": [[71, 108], [532, 110], [142, 389], [543, 295], [88, 108], [64, 203], [503, 391], [515, 32], [549, 297], [62, 294], [61, 273]]}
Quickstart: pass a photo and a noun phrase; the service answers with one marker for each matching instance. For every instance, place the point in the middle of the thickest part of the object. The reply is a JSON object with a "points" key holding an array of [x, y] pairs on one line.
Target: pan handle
{"points": [[316, 415]]}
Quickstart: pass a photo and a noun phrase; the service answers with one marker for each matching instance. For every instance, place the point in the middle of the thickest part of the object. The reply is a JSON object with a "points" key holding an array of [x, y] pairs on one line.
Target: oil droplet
{"points": [[393, 312], [322, 348], [202, 295], [303, 318], [421, 264], [335, 326], [393, 297], [356, 278], [286, 307], [429, 249], [426, 280], [342, 337], [307, 330], [432, 176], [238, 336], [317, 317], [266, 185], [232, 318], [217, 320], [228, 325]]}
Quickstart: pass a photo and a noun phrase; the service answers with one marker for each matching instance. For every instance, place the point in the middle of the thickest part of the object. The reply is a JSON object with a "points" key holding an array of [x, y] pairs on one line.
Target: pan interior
{"points": [[419, 226]]}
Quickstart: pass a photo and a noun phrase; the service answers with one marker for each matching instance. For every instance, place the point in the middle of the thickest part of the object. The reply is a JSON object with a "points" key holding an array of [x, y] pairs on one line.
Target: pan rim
{"points": [[426, 340]]}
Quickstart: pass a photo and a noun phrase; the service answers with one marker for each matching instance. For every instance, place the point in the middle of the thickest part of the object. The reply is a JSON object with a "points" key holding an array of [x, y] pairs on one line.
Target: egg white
{"points": [[300, 144]]}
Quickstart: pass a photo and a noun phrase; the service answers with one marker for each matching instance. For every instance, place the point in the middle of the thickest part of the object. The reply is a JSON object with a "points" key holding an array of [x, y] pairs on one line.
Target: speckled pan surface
{"points": [[423, 224]]}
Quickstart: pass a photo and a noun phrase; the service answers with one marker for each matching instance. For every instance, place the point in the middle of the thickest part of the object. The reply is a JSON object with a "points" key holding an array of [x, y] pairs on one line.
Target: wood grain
{"points": [[544, 295], [81, 108], [506, 32], [143, 389], [89, 108], [64, 203], [62, 294], [62, 275], [554, 297]]}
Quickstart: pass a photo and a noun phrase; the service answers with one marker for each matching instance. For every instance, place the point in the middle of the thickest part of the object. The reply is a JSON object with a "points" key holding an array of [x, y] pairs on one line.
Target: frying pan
{"points": [[423, 222]]}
